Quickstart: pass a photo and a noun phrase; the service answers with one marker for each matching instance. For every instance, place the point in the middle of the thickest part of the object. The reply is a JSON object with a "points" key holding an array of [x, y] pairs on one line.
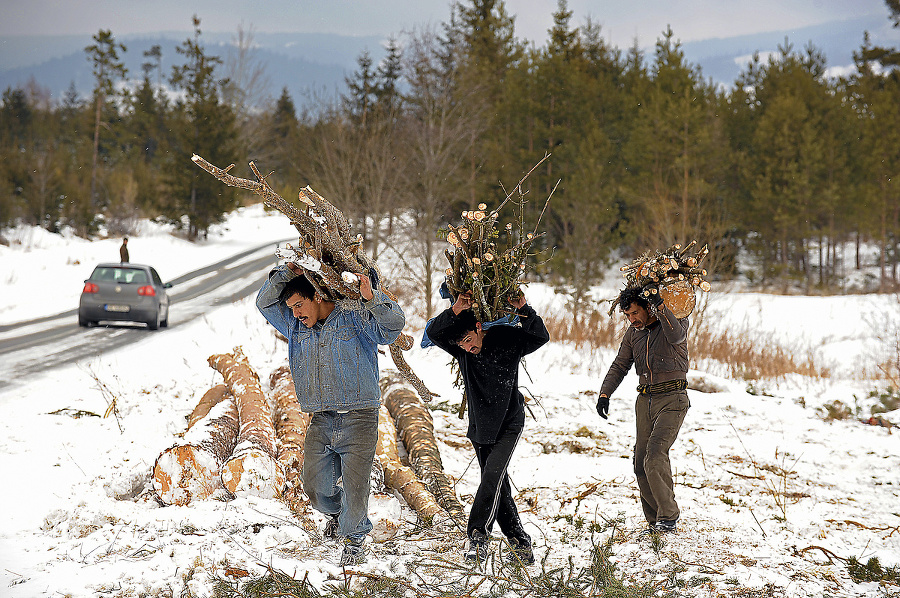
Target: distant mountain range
{"points": [[303, 63], [308, 64], [722, 59]]}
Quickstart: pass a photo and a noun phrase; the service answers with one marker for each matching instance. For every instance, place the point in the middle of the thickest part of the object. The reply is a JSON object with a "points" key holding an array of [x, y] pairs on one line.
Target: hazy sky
{"points": [[622, 20]]}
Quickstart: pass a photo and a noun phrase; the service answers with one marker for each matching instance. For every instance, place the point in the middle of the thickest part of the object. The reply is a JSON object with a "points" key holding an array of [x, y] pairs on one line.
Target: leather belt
{"points": [[662, 387]]}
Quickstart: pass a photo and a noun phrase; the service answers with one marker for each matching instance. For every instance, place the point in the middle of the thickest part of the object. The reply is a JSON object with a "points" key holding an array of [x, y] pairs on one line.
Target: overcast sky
{"points": [[622, 20]]}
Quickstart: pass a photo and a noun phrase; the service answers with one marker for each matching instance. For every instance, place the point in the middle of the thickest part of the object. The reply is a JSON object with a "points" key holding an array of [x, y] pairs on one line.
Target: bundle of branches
{"points": [[490, 259], [672, 273], [329, 255]]}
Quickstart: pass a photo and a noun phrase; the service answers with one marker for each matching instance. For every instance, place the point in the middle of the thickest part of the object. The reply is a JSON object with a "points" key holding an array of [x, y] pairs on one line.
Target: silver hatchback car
{"points": [[124, 293]]}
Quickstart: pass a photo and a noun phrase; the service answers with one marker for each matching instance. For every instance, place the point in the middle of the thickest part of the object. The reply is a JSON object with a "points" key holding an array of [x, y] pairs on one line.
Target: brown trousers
{"points": [[659, 418]]}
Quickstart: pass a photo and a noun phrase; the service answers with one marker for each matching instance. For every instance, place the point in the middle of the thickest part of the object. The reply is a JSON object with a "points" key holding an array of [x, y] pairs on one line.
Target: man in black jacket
{"points": [[656, 344], [489, 364]]}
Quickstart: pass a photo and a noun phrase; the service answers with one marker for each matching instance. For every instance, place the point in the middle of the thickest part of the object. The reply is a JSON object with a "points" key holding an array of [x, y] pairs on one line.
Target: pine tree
{"points": [[387, 88], [481, 39], [362, 87], [15, 133], [205, 126], [671, 154], [15, 118], [786, 168], [107, 69], [285, 115], [875, 91]]}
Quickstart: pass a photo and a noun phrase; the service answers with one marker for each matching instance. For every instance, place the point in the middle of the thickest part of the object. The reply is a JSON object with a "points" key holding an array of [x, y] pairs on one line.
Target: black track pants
{"points": [[494, 500]]}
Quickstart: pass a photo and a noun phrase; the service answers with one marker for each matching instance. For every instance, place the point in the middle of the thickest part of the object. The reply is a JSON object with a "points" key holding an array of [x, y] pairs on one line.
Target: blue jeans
{"points": [[341, 445]]}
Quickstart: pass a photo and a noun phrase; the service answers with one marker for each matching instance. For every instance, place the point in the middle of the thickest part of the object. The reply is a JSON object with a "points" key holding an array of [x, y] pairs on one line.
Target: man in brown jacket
{"points": [[656, 343]]}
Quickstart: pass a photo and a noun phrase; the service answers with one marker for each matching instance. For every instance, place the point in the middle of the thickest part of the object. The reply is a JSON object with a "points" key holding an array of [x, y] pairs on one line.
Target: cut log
{"points": [[209, 399], [190, 469], [291, 424], [401, 477], [416, 429], [253, 467]]}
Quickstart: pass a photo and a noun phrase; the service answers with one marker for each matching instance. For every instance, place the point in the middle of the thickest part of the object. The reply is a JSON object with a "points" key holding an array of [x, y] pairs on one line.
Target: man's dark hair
{"points": [[463, 325], [299, 286], [632, 295]]}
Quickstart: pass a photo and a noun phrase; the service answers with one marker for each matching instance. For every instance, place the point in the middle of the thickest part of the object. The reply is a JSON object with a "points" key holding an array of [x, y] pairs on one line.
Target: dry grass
{"points": [[593, 331], [745, 355], [756, 358]]}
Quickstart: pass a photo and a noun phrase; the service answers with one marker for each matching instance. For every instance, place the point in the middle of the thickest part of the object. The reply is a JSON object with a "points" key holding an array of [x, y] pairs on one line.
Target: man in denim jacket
{"points": [[332, 351]]}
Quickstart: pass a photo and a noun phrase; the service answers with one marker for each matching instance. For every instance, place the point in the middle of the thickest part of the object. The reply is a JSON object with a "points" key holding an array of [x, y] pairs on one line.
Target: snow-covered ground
{"points": [[768, 489]]}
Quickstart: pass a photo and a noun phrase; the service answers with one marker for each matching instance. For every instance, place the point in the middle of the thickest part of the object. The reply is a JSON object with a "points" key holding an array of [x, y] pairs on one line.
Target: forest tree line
{"points": [[794, 169]]}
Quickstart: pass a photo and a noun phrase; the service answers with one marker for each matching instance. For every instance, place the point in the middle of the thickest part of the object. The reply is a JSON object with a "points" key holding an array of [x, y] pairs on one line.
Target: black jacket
{"points": [[491, 377]]}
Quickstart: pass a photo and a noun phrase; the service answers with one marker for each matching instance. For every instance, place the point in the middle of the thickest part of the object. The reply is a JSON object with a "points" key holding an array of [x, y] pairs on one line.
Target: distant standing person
{"points": [[123, 251], [489, 364], [656, 344], [333, 357]]}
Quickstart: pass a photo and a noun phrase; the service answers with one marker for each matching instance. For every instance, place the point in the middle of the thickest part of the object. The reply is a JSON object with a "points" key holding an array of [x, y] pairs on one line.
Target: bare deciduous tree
{"points": [[441, 125]]}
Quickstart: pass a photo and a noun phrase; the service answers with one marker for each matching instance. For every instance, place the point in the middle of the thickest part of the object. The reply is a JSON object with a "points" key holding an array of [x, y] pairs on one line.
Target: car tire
{"points": [[84, 322], [165, 323], [153, 323]]}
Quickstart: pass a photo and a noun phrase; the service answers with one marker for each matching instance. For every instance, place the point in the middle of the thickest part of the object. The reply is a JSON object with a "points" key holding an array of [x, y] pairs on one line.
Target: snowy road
{"points": [[36, 345]]}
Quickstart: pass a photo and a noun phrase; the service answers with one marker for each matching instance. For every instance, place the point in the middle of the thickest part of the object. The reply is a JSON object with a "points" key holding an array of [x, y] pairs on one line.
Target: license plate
{"points": [[118, 308]]}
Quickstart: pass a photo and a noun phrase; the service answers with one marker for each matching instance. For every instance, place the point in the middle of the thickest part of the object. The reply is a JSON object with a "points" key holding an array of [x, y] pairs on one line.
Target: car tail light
{"points": [[90, 287], [147, 291]]}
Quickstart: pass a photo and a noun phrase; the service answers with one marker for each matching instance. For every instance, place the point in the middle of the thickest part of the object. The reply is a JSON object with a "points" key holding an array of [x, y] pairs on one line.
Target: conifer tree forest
{"points": [[795, 171]]}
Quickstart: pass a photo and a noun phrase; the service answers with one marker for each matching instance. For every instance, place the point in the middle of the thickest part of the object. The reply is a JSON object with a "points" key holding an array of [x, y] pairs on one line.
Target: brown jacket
{"points": [[659, 352]]}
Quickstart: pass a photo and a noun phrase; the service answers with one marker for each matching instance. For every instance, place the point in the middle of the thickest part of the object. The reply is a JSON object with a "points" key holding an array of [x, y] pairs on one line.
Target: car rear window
{"points": [[120, 275]]}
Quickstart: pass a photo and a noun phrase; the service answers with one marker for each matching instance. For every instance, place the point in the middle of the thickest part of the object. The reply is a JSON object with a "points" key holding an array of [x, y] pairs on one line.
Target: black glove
{"points": [[373, 276], [655, 298], [603, 407]]}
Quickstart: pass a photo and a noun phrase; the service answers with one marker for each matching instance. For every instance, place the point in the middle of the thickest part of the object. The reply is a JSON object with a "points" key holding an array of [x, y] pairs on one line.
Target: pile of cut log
{"points": [[229, 443], [241, 441]]}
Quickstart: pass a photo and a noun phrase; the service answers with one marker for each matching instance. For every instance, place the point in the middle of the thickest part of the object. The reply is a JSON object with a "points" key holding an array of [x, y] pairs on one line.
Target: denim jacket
{"points": [[334, 364]]}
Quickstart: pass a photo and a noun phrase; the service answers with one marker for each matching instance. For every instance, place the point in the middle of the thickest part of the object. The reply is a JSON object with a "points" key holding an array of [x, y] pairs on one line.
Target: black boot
{"points": [[478, 547], [332, 528], [520, 551]]}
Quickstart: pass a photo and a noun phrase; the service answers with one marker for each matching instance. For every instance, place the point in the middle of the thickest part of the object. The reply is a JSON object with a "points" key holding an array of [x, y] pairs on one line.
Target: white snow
{"points": [[762, 480]]}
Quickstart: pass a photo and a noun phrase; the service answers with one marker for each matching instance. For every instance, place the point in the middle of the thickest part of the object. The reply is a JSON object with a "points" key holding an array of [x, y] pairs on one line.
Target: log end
{"points": [[185, 473], [253, 472], [386, 517]]}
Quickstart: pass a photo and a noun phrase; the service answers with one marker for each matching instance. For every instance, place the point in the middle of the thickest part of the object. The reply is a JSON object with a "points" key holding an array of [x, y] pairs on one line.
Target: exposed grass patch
{"points": [[835, 411]]}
